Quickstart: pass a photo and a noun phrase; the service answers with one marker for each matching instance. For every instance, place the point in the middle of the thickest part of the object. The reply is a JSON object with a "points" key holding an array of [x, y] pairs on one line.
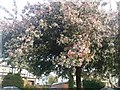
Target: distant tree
{"points": [[52, 79]]}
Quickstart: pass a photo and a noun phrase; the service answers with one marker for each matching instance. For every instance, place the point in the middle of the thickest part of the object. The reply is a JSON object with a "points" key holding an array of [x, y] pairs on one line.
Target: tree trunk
{"points": [[78, 78], [12, 70], [71, 81], [119, 82]]}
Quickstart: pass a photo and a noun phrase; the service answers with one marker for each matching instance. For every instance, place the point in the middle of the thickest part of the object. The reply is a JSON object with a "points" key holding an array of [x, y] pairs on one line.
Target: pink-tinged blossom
{"points": [[87, 50], [80, 54], [71, 53], [11, 54], [81, 64]]}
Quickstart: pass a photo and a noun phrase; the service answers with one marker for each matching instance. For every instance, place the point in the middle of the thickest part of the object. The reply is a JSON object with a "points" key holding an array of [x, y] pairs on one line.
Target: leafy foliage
{"points": [[104, 65], [83, 34], [93, 83], [13, 80]]}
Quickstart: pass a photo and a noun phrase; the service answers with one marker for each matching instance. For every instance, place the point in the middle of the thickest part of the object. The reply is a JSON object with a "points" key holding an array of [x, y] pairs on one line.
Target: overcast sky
{"points": [[21, 3]]}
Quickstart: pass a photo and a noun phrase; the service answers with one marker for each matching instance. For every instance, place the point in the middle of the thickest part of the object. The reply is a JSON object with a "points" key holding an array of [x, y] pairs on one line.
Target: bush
{"points": [[13, 80], [93, 83]]}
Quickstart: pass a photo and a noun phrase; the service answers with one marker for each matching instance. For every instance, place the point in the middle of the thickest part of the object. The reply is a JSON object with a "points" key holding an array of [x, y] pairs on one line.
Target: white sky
{"points": [[21, 3]]}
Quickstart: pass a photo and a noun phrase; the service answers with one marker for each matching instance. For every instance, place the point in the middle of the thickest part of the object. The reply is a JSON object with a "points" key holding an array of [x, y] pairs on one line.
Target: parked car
{"points": [[10, 88]]}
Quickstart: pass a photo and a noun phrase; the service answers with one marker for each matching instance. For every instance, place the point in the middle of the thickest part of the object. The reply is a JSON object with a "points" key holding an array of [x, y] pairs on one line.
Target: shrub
{"points": [[13, 80], [93, 83]]}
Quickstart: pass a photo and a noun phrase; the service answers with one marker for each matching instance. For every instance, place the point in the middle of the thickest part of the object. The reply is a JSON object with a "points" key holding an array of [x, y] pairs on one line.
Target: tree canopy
{"points": [[65, 34]]}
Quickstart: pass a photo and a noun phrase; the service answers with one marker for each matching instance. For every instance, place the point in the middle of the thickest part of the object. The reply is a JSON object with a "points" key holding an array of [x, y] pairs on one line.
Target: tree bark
{"points": [[78, 78], [71, 81], [119, 82], [12, 70]]}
